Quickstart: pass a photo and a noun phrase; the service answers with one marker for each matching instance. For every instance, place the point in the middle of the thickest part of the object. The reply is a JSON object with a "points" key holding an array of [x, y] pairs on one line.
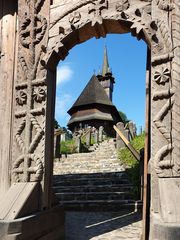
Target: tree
{"points": [[123, 117], [56, 124]]}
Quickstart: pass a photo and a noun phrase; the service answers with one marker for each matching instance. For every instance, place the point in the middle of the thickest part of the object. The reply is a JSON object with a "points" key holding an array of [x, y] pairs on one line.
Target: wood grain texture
{"points": [[7, 67]]}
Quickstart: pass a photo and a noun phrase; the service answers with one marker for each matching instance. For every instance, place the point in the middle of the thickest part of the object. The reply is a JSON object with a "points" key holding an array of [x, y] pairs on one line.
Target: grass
{"points": [[68, 147], [131, 164]]}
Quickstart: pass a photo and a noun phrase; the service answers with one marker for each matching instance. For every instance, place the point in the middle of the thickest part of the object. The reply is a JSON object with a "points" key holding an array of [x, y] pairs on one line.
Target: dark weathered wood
{"points": [[146, 154], [49, 153]]}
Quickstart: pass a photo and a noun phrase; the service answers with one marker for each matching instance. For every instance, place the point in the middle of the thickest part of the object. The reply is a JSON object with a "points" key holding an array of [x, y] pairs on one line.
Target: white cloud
{"points": [[64, 74], [63, 104]]}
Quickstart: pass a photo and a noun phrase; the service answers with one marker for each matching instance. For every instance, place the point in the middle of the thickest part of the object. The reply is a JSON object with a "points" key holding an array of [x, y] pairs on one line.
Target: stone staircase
{"points": [[94, 181]]}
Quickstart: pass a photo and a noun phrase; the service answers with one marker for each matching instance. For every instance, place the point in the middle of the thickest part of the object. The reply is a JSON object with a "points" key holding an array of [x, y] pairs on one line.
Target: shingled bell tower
{"points": [[105, 78]]}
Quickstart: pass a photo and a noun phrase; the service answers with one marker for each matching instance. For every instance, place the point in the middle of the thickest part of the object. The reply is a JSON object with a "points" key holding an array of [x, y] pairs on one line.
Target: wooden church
{"points": [[94, 106]]}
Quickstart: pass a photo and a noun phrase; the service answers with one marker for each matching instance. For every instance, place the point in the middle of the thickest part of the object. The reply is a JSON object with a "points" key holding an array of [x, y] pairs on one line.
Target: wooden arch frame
{"points": [[46, 31]]}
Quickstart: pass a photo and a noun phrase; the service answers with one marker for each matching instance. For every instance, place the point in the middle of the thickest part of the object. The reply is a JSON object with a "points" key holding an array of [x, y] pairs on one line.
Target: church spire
{"points": [[105, 67], [106, 79]]}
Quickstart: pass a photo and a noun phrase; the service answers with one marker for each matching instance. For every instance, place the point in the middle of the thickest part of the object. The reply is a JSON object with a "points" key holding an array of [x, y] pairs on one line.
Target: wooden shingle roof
{"points": [[93, 93]]}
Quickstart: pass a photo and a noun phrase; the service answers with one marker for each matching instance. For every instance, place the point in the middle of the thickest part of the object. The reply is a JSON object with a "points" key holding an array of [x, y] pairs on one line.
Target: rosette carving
{"points": [[39, 94], [21, 97], [162, 76]]}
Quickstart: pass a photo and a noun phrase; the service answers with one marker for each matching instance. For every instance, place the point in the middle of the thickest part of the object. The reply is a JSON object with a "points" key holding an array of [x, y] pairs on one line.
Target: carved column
{"points": [[165, 164], [26, 159], [29, 161]]}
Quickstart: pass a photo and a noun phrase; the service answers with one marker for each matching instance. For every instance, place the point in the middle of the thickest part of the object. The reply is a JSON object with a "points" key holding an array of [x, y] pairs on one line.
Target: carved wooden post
{"points": [[88, 138], [57, 142], [96, 136], [119, 143], [165, 116], [127, 134], [131, 130], [31, 153], [8, 22], [78, 143], [31, 97], [101, 133]]}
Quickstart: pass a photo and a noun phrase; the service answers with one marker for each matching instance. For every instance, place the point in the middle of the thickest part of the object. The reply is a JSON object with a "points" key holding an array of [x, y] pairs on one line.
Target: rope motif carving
{"points": [[163, 50], [37, 170], [38, 135], [165, 94], [162, 166], [18, 138], [158, 120]]}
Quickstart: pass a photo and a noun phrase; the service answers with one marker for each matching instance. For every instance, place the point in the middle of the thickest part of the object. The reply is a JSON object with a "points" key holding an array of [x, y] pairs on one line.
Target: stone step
{"points": [[92, 158], [121, 174], [86, 169], [90, 161], [81, 170], [85, 196], [93, 181], [102, 205], [97, 188]]}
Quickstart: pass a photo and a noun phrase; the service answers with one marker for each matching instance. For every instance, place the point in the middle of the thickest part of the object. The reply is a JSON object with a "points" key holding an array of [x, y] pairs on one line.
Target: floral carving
{"points": [[21, 97], [122, 5], [96, 8], [25, 29], [74, 17], [162, 76], [165, 5], [39, 94]]}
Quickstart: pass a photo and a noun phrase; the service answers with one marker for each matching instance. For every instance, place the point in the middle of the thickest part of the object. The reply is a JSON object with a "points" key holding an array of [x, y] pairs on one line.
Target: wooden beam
{"points": [[20, 200], [128, 144], [145, 231], [8, 31]]}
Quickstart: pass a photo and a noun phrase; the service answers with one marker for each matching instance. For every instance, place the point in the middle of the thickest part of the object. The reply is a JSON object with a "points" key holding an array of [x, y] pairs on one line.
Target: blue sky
{"points": [[127, 59]]}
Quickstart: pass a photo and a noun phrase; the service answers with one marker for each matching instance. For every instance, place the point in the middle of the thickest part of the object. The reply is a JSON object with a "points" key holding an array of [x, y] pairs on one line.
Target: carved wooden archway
{"points": [[47, 31]]}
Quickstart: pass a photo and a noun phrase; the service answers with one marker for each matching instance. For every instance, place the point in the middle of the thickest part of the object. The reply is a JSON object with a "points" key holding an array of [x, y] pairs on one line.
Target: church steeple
{"points": [[105, 67], [105, 78]]}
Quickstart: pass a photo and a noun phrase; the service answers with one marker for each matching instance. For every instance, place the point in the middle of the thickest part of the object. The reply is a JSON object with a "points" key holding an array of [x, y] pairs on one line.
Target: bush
{"points": [[126, 156], [68, 147], [131, 163]]}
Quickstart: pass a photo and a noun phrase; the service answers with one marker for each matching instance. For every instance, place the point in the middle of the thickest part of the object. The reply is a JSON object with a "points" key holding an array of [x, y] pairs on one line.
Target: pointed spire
{"points": [[105, 67]]}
